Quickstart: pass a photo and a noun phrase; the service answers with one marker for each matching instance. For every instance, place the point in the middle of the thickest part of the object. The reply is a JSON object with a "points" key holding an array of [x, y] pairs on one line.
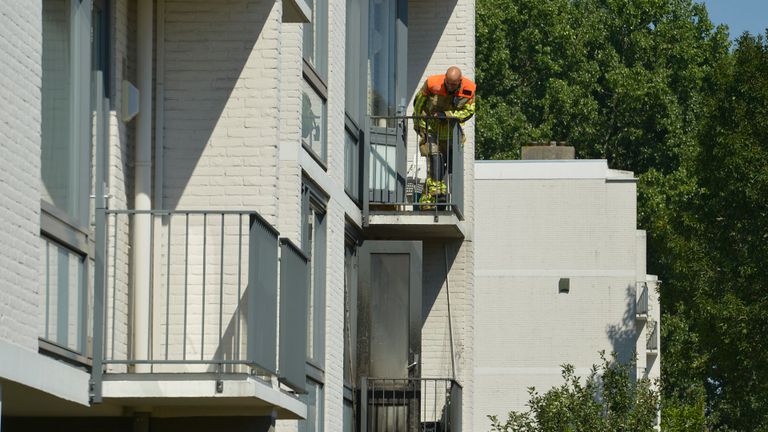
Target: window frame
{"points": [[320, 88], [352, 244], [355, 193], [319, 398], [317, 78], [90, 30], [314, 203], [52, 345], [80, 24], [355, 123]]}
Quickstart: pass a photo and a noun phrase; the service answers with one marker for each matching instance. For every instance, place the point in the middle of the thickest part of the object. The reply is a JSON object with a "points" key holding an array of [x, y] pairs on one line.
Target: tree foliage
{"points": [[654, 87], [617, 79], [609, 400]]}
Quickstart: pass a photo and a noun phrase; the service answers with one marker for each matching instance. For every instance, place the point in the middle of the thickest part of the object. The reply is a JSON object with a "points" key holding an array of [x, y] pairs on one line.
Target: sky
{"points": [[739, 15]]}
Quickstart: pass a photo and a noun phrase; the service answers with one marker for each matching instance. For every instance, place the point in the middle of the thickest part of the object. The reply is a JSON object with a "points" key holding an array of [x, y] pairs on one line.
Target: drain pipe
{"points": [[143, 188]]}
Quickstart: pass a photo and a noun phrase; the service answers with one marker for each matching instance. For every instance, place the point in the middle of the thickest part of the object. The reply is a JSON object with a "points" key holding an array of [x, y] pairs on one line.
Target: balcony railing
{"points": [[410, 405], [642, 301], [211, 305], [652, 344], [399, 167]]}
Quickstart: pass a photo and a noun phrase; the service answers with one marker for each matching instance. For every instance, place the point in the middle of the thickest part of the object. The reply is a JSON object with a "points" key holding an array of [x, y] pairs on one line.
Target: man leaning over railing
{"points": [[447, 98]]}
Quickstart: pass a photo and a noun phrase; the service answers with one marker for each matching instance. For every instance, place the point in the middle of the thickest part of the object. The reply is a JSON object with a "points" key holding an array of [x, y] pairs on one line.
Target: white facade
{"points": [[248, 120], [559, 269], [228, 94]]}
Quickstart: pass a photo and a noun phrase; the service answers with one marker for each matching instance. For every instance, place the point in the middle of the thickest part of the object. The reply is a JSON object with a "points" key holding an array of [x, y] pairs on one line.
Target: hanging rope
{"points": [[450, 319]]}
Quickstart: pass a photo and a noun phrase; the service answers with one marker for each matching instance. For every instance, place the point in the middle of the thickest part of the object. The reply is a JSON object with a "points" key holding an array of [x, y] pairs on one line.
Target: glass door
{"points": [[389, 333], [387, 79]]}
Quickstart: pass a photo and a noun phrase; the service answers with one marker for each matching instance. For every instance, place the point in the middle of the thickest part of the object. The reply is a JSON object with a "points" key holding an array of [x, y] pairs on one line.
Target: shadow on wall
{"points": [[424, 18], [435, 269], [624, 335], [207, 47]]}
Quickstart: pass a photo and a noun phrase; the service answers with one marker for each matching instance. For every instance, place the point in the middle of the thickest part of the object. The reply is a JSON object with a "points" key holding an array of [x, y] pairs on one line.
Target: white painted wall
{"points": [[20, 82], [20, 186], [442, 34], [538, 222]]}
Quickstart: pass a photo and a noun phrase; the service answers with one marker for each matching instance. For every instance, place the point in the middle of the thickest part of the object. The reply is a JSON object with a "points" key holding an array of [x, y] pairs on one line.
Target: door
{"points": [[389, 333], [387, 99]]}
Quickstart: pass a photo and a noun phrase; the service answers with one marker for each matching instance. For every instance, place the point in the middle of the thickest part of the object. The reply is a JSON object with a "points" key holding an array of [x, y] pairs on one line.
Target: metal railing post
{"points": [[364, 404], [98, 306], [99, 271]]}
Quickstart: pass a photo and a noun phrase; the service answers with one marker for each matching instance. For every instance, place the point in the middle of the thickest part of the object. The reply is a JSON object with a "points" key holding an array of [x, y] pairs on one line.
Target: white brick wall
{"points": [[531, 231], [441, 34], [333, 180], [221, 105], [289, 210], [20, 119], [120, 181]]}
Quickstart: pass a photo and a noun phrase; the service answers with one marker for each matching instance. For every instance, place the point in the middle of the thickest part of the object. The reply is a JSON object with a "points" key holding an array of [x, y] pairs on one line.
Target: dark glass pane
{"points": [[389, 315]]}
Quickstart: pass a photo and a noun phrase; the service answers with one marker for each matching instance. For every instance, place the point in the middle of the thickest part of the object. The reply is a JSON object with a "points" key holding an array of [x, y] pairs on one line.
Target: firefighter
{"points": [[443, 100]]}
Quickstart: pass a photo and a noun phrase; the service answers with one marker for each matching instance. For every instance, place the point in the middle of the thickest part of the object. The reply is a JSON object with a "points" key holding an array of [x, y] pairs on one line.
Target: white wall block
{"points": [[20, 126], [538, 223]]}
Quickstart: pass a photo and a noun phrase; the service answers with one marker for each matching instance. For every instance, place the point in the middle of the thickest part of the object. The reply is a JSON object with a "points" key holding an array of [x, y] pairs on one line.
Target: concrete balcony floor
{"points": [[408, 225]]}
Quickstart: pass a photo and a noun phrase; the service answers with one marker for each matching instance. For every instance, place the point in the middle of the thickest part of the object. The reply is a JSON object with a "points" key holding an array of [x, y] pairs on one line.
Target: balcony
{"points": [[641, 307], [410, 405], [652, 343], [398, 197], [200, 327]]}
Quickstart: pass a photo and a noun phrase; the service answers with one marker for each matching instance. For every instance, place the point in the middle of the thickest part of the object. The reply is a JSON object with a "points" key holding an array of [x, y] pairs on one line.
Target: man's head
{"points": [[453, 79]]}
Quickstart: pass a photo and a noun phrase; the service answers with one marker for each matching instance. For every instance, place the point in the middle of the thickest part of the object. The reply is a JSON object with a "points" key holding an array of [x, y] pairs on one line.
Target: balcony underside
{"points": [[174, 395], [415, 226]]}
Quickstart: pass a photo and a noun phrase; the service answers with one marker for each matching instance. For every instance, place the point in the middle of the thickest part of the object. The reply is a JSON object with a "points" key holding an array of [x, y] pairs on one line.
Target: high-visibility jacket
{"points": [[434, 97]]}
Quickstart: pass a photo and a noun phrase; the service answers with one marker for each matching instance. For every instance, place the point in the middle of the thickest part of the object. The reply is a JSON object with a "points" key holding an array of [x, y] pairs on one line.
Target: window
{"points": [[352, 150], [315, 88], [314, 401], [382, 56], [316, 39], [65, 153], [348, 413], [63, 297], [350, 305], [313, 116], [354, 95], [314, 245], [354, 64], [75, 57]]}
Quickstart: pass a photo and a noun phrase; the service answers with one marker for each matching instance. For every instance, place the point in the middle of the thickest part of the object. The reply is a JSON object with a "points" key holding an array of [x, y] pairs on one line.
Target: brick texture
{"points": [[440, 35], [221, 105], [20, 120]]}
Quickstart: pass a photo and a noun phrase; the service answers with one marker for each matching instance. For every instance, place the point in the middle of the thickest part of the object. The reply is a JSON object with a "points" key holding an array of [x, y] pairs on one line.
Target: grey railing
{"points": [[642, 300], [212, 301], [410, 405], [398, 170], [652, 344]]}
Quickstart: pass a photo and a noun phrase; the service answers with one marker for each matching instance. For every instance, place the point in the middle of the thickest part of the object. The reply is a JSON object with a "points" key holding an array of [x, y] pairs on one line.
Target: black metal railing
{"points": [[400, 164], [410, 405]]}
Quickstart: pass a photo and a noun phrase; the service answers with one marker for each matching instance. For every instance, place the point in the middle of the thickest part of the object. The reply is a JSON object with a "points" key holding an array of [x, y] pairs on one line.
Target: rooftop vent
{"points": [[548, 151]]}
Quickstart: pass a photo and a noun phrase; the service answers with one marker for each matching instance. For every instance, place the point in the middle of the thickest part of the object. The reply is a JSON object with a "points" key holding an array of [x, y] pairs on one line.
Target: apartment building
{"points": [[211, 217], [560, 275]]}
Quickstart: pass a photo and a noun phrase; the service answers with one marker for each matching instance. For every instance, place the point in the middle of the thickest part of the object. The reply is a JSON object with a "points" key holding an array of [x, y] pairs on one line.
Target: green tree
{"points": [[709, 228], [617, 79], [608, 400], [654, 88]]}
